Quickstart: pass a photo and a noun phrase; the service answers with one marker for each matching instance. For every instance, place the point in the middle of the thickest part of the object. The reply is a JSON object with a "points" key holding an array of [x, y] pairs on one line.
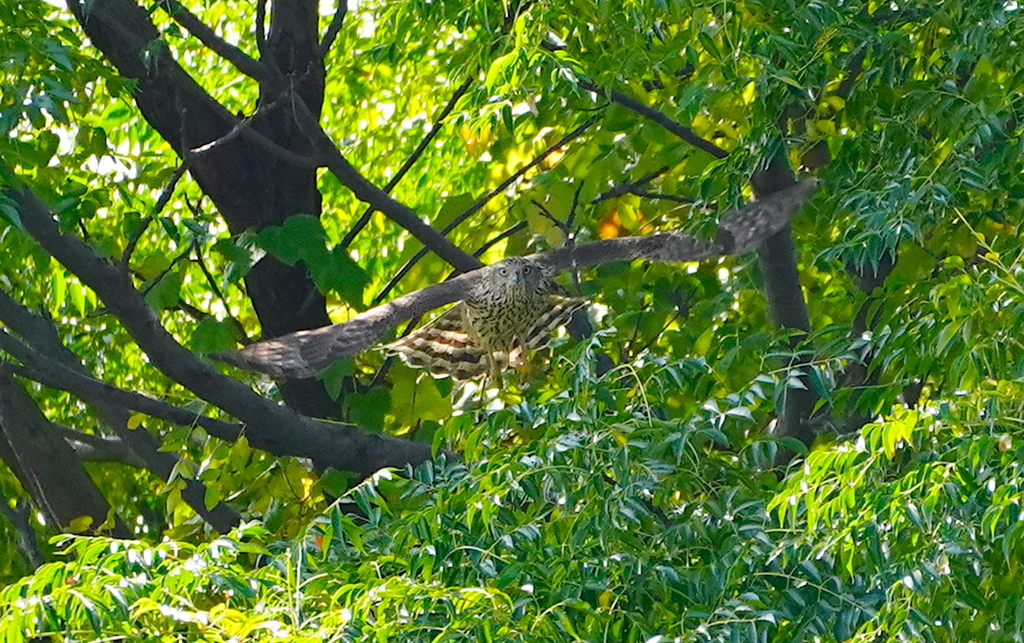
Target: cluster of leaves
{"points": [[592, 516]]}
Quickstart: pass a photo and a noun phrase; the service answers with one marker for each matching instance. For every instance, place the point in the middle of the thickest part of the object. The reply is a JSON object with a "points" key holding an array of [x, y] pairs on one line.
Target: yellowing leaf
{"points": [[80, 524], [610, 225], [749, 93], [835, 102], [825, 128], [136, 420]]}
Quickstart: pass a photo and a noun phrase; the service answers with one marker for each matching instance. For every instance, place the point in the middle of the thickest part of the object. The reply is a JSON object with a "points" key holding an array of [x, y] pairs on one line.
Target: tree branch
{"points": [[334, 28], [98, 448], [629, 187], [241, 61], [269, 426], [678, 129]]}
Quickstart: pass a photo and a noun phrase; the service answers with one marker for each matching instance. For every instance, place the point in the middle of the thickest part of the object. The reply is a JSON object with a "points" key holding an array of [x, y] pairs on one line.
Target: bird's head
{"points": [[513, 278]]}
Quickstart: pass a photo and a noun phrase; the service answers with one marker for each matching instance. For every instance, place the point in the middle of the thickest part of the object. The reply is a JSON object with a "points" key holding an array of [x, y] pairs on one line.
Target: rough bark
{"points": [[46, 465]]}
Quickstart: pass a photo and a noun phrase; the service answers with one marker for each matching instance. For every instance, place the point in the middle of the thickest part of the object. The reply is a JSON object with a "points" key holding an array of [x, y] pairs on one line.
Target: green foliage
{"points": [[588, 517], [637, 505]]}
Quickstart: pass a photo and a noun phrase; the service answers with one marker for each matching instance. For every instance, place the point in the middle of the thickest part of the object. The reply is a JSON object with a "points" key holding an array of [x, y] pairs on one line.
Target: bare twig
{"points": [[435, 128], [675, 198], [575, 204], [676, 128], [481, 202], [501, 236], [210, 281], [161, 203], [628, 187], [561, 225], [334, 28], [501, 187]]}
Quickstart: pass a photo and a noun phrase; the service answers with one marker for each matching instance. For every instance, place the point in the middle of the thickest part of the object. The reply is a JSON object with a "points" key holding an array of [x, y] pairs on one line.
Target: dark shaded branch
{"points": [[853, 70], [678, 129], [786, 303], [787, 309], [261, 28], [241, 61], [65, 372], [251, 188]]}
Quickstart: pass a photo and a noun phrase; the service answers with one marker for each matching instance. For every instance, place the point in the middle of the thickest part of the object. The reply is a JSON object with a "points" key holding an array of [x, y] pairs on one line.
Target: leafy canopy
{"points": [[633, 505]]}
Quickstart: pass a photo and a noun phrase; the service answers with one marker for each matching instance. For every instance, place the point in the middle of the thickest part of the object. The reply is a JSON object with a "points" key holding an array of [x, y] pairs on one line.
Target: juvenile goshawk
{"points": [[535, 306], [509, 312]]}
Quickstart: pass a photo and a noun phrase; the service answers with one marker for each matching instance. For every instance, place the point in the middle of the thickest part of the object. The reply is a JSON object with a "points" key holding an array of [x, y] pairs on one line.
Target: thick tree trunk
{"points": [[47, 466], [251, 187]]}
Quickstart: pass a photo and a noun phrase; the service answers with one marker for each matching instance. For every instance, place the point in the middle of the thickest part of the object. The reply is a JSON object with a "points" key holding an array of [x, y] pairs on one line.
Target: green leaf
{"points": [[301, 237], [214, 335], [415, 397], [368, 409], [338, 272]]}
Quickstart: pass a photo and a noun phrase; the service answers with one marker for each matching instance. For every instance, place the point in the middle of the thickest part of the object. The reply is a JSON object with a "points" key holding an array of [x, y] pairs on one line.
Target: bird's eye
{"points": [[503, 272], [527, 269]]}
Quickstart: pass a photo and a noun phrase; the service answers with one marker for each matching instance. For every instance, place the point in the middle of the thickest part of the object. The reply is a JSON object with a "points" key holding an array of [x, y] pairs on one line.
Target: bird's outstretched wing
{"points": [[304, 353], [307, 352], [739, 231], [444, 346]]}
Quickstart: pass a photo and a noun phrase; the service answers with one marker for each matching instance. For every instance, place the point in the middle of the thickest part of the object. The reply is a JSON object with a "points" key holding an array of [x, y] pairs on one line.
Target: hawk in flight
{"points": [[507, 309]]}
